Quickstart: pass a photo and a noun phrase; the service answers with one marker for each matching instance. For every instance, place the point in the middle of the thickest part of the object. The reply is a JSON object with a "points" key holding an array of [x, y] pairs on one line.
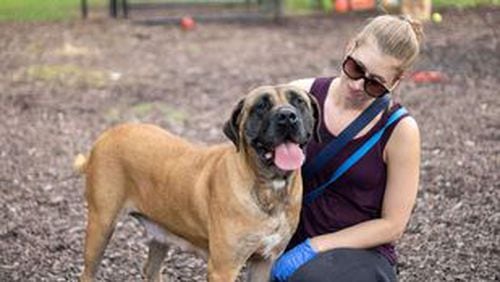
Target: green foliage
{"points": [[144, 111], [42, 10], [301, 5], [464, 3], [297, 6], [53, 10], [68, 75]]}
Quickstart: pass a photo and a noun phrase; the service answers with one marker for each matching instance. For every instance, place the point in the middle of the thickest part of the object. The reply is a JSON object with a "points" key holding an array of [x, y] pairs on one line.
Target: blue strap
{"points": [[355, 157], [336, 145]]}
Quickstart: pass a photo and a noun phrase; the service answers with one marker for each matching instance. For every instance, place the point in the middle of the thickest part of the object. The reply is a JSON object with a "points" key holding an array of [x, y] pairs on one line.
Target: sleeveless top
{"points": [[358, 194]]}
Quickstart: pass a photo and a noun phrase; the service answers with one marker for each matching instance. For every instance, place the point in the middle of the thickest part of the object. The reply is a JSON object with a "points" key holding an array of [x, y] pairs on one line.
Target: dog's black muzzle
{"points": [[286, 125], [287, 118]]}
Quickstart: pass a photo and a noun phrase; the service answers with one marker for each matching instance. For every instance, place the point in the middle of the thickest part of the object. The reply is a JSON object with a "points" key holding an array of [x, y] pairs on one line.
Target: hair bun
{"points": [[416, 26]]}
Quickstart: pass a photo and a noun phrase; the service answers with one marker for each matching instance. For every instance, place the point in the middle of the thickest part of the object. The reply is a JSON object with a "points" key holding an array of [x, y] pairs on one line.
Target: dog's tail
{"points": [[80, 163]]}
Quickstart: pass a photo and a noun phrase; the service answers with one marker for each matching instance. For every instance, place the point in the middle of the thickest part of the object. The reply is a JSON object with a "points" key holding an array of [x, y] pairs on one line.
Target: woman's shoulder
{"points": [[406, 127], [304, 83], [317, 86], [405, 134]]}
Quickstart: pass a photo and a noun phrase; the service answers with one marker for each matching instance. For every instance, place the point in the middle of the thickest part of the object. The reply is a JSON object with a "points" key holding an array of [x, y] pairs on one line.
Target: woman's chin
{"points": [[357, 98]]}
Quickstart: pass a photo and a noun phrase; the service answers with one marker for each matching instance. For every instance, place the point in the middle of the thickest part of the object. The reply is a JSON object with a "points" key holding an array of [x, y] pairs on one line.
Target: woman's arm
{"points": [[402, 155]]}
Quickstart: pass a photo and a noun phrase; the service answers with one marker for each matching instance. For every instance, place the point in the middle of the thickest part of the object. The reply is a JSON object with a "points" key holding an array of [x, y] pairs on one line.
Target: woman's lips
{"points": [[357, 94]]}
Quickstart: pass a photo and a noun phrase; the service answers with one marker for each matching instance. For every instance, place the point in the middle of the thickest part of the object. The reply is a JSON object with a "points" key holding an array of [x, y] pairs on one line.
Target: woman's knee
{"points": [[346, 265]]}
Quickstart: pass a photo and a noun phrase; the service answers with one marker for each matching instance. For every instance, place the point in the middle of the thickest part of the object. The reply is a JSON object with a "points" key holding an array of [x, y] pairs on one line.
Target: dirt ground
{"points": [[61, 84]]}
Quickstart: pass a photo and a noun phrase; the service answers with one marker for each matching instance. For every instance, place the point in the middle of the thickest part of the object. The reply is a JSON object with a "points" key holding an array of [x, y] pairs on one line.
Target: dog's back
{"points": [[138, 167]]}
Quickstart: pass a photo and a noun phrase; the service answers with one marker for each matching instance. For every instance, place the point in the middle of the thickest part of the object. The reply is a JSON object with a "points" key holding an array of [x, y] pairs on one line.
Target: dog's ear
{"points": [[317, 117], [231, 127]]}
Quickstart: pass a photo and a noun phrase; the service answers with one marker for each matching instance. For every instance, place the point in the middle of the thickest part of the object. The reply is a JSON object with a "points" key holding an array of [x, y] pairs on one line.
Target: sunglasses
{"points": [[356, 71]]}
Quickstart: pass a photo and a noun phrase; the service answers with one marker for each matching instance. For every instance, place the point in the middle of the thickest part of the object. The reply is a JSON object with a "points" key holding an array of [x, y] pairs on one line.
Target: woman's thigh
{"points": [[349, 265]]}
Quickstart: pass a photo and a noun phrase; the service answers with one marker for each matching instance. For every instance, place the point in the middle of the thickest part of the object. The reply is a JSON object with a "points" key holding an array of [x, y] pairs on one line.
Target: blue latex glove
{"points": [[290, 261]]}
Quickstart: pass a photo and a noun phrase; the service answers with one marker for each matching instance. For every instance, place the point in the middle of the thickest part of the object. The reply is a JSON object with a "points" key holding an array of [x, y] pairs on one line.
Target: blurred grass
{"points": [[298, 5], [42, 10], [464, 3], [68, 74], [54, 10], [144, 111]]}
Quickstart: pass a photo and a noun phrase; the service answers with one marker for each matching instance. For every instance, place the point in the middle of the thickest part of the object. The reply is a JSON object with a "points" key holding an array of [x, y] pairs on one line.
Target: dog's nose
{"points": [[287, 116]]}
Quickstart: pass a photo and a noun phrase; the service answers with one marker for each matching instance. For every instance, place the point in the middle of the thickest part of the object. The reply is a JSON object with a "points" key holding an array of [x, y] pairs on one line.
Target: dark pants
{"points": [[346, 265]]}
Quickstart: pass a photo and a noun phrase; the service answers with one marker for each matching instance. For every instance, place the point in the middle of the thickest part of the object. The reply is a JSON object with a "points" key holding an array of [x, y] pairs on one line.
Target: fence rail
{"points": [[255, 9]]}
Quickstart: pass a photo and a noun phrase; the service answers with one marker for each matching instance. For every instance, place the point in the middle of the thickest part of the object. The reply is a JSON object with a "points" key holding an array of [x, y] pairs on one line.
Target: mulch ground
{"points": [[61, 84]]}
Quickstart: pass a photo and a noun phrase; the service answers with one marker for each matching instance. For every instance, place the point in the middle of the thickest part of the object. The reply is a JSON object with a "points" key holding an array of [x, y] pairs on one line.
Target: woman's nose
{"points": [[358, 84]]}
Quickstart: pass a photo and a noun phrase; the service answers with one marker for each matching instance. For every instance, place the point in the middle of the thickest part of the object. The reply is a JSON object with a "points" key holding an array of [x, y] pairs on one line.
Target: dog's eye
{"points": [[298, 101], [263, 104], [295, 99]]}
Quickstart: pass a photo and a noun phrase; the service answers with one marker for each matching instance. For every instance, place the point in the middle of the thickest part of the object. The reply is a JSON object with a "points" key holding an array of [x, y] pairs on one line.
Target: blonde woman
{"points": [[347, 233]]}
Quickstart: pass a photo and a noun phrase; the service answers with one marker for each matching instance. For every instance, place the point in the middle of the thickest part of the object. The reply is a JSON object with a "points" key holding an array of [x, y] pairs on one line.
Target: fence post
{"points": [[113, 7], [83, 4], [278, 10], [125, 8]]}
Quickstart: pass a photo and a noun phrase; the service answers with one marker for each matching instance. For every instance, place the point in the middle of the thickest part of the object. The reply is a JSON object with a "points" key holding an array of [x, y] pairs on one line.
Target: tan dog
{"points": [[417, 9], [238, 203]]}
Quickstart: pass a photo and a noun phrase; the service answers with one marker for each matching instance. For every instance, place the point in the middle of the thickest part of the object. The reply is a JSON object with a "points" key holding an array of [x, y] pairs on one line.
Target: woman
{"points": [[347, 232]]}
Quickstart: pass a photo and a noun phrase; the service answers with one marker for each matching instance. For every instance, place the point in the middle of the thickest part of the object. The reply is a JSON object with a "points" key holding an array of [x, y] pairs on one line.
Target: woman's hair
{"points": [[396, 36]]}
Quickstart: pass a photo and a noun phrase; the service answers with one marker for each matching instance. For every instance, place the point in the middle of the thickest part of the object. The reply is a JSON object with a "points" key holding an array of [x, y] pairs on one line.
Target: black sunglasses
{"points": [[356, 71]]}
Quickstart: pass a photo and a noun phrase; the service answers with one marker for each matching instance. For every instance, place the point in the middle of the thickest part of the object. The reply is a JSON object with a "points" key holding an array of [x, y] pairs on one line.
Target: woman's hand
{"points": [[290, 261]]}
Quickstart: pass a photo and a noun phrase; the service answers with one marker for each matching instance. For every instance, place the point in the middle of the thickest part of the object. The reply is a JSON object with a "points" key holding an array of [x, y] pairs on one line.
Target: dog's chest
{"points": [[274, 237]]}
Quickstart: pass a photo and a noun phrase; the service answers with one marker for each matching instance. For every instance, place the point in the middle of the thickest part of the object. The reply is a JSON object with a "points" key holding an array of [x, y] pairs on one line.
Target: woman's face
{"points": [[377, 65]]}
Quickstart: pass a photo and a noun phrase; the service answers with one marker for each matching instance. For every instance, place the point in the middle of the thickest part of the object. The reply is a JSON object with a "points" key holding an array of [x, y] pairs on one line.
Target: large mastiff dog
{"points": [[235, 202]]}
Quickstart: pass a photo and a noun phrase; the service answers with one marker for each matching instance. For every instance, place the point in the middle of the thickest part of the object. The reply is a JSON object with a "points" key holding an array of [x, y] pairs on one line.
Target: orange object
{"points": [[187, 23], [362, 4], [342, 6], [428, 77]]}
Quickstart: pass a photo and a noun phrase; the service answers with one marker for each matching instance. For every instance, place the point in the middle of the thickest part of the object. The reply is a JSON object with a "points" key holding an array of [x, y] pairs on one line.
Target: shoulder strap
{"points": [[337, 144], [319, 88], [355, 157]]}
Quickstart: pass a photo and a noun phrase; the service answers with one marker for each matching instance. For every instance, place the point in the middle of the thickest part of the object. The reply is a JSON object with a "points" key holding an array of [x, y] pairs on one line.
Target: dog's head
{"points": [[273, 124]]}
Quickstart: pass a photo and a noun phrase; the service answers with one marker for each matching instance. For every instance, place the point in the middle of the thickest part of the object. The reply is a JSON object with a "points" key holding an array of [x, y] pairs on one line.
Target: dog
{"points": [[417, 9], [233, 203]]}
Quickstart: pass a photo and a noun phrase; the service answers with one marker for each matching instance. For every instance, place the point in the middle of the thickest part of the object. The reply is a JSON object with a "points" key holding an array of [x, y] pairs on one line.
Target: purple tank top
{"points": [[357, 195]]}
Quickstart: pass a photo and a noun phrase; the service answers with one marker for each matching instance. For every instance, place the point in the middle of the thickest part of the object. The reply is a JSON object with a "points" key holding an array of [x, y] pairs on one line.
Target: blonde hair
{"points": [[396, 36]]}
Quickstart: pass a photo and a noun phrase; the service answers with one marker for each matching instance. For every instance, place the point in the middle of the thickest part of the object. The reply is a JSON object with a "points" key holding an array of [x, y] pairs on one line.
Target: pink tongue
{"points": [[288, 156]]}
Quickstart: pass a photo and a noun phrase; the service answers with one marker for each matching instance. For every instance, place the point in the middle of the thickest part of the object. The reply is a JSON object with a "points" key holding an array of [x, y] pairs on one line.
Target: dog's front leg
{"points": [[222, 271], [259, 269], [224, 266], [152, 268]]}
